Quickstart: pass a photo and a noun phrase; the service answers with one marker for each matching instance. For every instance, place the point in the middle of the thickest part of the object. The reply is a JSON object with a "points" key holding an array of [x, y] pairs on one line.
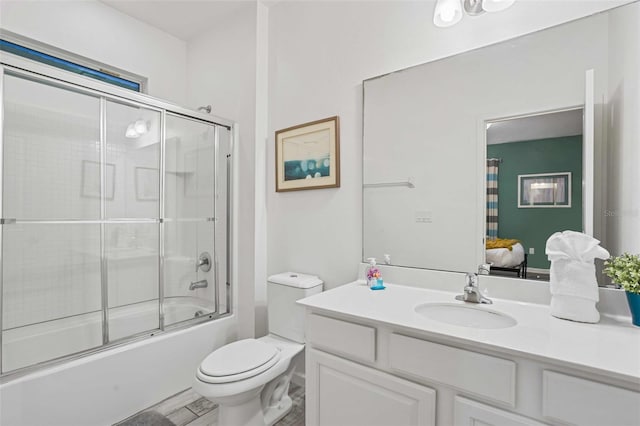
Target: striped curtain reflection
{"points": [[492, 198]]}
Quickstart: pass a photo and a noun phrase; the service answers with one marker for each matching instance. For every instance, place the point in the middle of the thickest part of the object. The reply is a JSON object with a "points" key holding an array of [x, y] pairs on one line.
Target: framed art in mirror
{"points": [[308, 156], [544, 190], [90, 180]]}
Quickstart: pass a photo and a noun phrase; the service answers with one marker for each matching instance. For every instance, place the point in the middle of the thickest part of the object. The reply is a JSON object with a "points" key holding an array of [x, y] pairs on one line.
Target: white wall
{"points": [[319, 54], [622, 209], [221, 66], [93, 30]]}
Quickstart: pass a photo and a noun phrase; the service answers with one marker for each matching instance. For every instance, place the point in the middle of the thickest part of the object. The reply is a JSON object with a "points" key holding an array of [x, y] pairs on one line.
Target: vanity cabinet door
{"points": [[343, 393], [467, 412]]}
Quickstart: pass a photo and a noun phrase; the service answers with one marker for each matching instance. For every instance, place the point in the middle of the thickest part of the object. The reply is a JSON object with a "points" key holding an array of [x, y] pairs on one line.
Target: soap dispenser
{"points": [[373, 273]]}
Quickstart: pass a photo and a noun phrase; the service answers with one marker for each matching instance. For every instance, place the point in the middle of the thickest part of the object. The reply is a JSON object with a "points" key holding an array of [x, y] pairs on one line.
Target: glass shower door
{"points": [[190, 264], [51, 273], [132, 213], [113, 219]]}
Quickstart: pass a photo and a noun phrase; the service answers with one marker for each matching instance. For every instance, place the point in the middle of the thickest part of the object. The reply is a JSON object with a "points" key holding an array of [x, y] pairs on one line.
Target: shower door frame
{"points": [[16, 66]]}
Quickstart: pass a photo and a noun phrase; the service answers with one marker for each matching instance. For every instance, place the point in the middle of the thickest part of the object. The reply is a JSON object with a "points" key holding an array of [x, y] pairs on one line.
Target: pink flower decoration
{"points": [[373, 273]]}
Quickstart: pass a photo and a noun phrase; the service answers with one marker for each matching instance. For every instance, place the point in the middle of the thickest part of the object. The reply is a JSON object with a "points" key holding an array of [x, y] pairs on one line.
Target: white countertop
{"points": [[611, 346]]}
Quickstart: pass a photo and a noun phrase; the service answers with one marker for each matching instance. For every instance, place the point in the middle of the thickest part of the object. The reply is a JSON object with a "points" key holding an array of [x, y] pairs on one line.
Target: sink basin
{"points": [[465, 315]]}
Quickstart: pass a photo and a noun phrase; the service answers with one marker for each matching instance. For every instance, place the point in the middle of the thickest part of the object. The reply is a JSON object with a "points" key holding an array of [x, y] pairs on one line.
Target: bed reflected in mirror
{"points": [[534, 188]]}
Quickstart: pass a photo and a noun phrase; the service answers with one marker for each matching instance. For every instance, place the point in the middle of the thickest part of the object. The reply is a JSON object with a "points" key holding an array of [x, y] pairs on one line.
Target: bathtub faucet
{"points": [[198, 284]]}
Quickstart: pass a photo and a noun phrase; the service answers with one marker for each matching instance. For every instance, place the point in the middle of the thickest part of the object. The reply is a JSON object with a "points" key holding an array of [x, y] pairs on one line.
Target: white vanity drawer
{"points": [[584, 402], [342, 337], [468, 412], [483, 375]]}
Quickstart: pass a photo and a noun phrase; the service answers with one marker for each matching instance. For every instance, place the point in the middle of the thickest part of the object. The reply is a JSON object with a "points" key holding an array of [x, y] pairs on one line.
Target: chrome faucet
{"points": [[484, 269], [472, 291], [198, 284]]}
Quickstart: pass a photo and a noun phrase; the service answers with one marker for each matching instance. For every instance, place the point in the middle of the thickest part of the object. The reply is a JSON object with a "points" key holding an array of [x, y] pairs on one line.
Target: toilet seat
{"points": [[238, 361]]}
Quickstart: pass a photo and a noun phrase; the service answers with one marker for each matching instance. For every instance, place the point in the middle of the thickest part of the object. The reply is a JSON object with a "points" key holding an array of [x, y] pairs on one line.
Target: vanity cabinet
{"points": [[468, 412], [346, 393], [360, 372]]}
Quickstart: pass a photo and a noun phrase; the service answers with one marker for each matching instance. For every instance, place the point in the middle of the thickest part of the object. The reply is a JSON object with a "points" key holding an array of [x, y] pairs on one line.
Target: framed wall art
{"points": [[544, 190], [90, 180], [147, 180], [308, 156]]}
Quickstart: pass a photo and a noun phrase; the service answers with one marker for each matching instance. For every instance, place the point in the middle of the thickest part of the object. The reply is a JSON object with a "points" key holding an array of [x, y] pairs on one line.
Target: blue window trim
{"points": [[25, 52]]}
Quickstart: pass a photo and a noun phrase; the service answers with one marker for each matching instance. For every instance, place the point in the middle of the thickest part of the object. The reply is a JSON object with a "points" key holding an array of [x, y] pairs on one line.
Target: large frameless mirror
{"points": [[426, 145]]}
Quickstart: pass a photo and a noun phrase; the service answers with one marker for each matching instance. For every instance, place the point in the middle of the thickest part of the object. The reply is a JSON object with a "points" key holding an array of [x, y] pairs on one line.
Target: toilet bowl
{"points": [[249, 379]]}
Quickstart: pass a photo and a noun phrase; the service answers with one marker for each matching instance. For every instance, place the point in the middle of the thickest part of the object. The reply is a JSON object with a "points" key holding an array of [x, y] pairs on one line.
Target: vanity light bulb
{"points": [[140, 127], [447, 13], [496, 5], [131, 132]]}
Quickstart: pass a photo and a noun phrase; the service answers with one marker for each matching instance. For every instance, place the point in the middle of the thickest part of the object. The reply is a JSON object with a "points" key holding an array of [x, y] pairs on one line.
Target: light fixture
{"points": [[140, 126], [136, 129], [473, 7], [496, 5], [449, 12], [131, 132]]}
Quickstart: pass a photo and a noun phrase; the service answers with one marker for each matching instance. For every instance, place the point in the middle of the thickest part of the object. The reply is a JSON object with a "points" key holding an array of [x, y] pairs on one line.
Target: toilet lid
{"points": [[240, 357]]}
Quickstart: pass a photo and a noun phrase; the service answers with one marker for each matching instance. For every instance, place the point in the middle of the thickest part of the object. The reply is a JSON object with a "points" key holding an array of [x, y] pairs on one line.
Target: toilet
{"points": [[249, 379]]}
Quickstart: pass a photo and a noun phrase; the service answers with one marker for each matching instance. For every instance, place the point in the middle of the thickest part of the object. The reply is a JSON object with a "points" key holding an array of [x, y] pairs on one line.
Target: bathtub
{"points": [[36, 343], [110, 385]]}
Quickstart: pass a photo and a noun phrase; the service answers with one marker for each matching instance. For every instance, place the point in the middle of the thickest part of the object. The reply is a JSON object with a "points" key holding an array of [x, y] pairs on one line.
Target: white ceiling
{"points": [[181, 18], [545, 126]]}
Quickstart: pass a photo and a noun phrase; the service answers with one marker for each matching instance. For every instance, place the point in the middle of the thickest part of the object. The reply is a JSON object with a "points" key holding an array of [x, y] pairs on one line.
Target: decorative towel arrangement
{"points": [[573, 284], [501, 243]]}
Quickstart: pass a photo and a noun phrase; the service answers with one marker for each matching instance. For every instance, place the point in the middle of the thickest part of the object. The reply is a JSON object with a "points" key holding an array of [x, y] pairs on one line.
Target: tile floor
{"points": [[189, 409]]}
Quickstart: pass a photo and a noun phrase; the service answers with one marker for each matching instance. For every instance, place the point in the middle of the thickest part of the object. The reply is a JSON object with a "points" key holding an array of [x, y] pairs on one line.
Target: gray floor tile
{"points": [[189, 409], [182, 416], [147, 418], [201, 406], [209, 419], [175, 402]]}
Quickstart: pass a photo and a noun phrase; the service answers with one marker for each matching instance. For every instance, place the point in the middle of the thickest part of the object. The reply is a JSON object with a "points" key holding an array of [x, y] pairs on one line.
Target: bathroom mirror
{"points": [[425, 139]]}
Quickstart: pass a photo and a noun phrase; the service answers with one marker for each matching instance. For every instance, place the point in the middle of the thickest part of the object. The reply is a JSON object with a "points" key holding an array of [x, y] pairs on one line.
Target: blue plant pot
{"points": [[634, 307]]}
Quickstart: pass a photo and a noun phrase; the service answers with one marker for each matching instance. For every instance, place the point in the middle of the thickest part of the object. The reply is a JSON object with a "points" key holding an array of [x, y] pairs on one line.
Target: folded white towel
{"points": [[573, 284], [574, 246], [574, 309], [573, 278]]}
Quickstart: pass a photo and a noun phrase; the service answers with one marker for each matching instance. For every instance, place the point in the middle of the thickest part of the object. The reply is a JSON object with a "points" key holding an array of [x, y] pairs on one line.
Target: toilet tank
{"points": [[286, 318]]}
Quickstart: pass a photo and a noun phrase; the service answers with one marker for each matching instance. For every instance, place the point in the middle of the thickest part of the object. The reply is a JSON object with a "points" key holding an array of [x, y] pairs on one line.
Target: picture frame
{"points": [[147, 182], [308, 156], [90, 180], [544, 190]]}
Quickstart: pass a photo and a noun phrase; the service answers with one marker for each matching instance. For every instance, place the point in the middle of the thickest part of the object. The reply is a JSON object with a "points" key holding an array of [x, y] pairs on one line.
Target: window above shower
{"points": [[49, 55]]}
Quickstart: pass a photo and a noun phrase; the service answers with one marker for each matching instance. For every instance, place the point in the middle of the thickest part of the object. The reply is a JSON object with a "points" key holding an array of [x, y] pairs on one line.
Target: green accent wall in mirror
{"points": [[534, 225]]}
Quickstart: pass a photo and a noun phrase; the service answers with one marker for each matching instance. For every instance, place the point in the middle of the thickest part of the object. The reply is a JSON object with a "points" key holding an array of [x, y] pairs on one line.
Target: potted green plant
{"points": [[624, 270]]}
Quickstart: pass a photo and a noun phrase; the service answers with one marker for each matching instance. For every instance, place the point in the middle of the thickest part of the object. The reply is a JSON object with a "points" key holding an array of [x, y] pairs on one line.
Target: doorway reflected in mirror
{"points": [[537, 144]]}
